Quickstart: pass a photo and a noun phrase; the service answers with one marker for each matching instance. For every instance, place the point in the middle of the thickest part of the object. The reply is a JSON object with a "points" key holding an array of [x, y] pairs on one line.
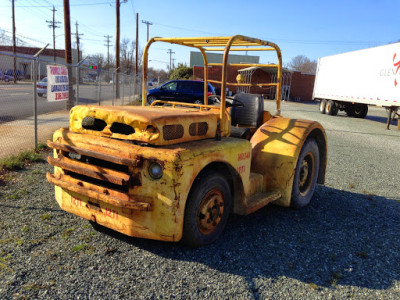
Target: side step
{"points": [[259, 200]]}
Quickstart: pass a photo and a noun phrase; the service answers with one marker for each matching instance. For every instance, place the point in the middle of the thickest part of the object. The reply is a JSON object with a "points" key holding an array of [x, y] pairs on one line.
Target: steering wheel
{"points": [[229, 101]]}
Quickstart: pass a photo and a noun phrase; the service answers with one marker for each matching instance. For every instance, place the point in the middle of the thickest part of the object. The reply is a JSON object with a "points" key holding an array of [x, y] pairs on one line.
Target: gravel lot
{"points": [[346, 244]]}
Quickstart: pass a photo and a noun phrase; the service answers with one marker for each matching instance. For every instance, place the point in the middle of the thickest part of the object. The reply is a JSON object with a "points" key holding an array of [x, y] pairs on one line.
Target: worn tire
{"points": [[331, 108], [151, 99], [304, 181], [207, 210], [322, 105], [360, 110]]}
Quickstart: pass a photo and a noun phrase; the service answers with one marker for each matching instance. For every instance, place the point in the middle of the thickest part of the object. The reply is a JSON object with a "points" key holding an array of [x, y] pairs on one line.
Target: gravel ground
{"points": [[346, 244]]}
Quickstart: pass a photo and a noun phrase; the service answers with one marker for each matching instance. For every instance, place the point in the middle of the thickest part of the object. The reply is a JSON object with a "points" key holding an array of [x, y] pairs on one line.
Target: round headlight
{"points": [[155, 170]]}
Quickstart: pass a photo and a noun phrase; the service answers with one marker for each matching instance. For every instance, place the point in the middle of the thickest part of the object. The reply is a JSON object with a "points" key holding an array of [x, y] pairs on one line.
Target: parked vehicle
{"points": [[6, 77], [10, 73], [176, 172], [41, 87], [189, 91], [351, 81]]}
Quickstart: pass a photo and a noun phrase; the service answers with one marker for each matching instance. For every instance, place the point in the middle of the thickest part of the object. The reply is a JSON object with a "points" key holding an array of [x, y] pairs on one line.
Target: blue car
{"points": [[189, 91]]}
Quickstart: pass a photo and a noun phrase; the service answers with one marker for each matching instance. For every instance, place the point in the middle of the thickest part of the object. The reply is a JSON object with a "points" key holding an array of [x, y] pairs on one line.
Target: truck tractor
{"points": [[175, 171]]}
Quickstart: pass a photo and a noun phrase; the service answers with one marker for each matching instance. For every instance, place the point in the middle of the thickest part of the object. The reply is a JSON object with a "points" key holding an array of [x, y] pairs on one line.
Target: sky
{"points": [[313, 28]]}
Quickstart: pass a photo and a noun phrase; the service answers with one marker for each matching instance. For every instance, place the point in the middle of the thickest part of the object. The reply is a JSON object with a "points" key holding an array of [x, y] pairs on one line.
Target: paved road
{"points": [[16, 101]]}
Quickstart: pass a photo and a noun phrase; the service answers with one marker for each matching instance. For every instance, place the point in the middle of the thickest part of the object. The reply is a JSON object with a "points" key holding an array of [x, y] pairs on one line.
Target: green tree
{"points": [[181, 72]]}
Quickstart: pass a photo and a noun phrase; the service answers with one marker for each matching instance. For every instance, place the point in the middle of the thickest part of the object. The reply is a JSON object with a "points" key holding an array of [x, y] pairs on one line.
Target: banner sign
{"points": [[57, 83]]}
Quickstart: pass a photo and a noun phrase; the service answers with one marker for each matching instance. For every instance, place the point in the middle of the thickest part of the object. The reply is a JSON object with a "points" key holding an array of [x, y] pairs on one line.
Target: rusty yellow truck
{"points": [[174, 171]]}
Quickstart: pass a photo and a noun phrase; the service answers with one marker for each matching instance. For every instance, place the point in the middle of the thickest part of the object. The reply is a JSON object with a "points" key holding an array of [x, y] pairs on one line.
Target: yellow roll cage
{"points": [[222, 44]]}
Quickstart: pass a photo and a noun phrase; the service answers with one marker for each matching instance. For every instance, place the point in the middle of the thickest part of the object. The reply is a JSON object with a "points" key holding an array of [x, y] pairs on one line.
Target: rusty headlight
{"points": [[155, 170]]}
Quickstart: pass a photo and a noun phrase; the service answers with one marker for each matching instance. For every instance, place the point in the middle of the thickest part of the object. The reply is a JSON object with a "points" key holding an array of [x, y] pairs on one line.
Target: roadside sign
{"points": [[57, 83]]}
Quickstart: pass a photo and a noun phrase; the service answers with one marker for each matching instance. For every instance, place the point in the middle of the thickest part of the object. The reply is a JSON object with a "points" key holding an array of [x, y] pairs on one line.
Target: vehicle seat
{"points": [[249, 116]]}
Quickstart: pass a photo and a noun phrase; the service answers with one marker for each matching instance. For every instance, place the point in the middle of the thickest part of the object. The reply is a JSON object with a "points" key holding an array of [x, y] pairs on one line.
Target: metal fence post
{"points": [[34, 65], [99, 78], [113, 88], [123, 88], [77, 84], [130, 88]]}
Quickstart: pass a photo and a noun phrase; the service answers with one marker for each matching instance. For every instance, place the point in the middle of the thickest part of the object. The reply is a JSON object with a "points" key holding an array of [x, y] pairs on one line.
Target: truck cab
{"points": [[175, 171]]}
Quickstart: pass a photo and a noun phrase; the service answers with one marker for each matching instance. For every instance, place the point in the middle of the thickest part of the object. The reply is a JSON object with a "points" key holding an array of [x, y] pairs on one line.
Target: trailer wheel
{"points": [[207, 210], [322, 105], [360, 110], [349, 109], [306, 174], [331, 108]]}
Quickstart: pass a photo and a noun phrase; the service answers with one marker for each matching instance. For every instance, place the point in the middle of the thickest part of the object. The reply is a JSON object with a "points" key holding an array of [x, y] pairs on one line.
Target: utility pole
{"points": [[68, 53], [148, 24], [14, 44], [170, 52], [117, 51], [108, 49], [77, 40], [53, 24], [78, 73]]}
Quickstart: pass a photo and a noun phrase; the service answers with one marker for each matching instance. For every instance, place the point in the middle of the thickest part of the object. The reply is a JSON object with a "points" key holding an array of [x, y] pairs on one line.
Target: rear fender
{"points": [[276, 146]]}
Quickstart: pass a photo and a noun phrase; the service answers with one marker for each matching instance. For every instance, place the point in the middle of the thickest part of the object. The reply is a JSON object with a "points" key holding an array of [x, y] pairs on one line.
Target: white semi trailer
{"points": [[351, 81]]}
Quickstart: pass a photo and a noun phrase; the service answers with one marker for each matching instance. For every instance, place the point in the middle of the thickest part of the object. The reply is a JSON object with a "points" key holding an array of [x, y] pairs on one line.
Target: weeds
{"points": [[66, 233], [17, 162], [45, 217], [79, 247]]}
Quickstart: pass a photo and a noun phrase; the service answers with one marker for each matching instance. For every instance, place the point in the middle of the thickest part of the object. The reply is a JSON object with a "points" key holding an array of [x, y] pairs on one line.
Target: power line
{"points": [[46, 6]]}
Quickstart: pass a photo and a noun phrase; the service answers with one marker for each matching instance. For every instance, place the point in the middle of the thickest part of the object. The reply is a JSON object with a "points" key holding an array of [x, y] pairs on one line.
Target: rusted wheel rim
{"points": [[306, 173], [210, 211]]}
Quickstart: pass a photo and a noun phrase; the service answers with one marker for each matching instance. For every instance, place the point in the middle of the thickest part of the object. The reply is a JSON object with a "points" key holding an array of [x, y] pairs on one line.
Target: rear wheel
{"points": [[322, 104], [151, 99], [207, 210], [306, 174], [360, 110], [331, 108]]}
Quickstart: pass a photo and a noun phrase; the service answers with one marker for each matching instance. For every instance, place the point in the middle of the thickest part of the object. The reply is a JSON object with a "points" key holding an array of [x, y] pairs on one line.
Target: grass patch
{"points": [[80, 247], [46, 217], [17, 162], [66, 233]]}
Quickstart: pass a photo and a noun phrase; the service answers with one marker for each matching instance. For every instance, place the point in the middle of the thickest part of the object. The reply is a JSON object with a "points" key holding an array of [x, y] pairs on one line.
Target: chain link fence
{"points": [[27, 118]]}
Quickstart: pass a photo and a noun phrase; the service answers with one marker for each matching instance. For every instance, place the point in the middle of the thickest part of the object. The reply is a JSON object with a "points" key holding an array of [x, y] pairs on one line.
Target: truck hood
{"points": [[153, 125]]}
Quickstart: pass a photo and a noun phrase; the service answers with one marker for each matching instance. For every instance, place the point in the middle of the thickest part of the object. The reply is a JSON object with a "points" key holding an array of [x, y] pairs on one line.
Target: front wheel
{"points": [[305, 175], [40, 94], [207, 210]]}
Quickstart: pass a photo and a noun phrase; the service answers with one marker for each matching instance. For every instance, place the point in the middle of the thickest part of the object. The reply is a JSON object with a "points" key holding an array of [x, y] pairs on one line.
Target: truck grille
{"points": [[98, 175]]}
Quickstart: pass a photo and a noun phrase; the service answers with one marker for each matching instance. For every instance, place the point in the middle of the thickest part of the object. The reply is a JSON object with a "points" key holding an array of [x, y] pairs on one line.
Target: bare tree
{"points": [[303, 64]]}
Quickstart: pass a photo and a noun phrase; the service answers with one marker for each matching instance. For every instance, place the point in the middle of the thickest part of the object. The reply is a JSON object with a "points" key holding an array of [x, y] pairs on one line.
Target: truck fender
{"points": [[276, 146]]}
